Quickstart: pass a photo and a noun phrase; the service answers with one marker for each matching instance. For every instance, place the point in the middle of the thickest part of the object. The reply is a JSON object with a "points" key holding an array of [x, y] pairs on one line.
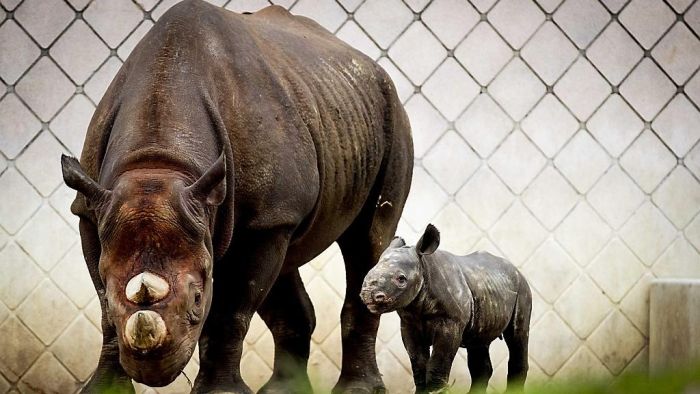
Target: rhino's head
{"points": [[398, 276], [155, 231]]}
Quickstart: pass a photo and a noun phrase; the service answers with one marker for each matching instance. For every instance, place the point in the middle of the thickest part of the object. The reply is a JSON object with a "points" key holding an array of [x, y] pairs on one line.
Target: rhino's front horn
{"points": [[145, 331], [146, 288]]}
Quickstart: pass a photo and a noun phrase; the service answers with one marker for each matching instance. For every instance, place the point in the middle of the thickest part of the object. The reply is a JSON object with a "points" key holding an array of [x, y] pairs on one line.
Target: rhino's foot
{"points": [[238, 387], [359, 387], [105, 384], [297, 385]]}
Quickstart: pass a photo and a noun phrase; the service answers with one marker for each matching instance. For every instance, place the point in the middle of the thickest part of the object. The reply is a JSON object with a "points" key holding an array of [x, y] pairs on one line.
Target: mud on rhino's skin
{"points": [[447, 301], [228, 151]]}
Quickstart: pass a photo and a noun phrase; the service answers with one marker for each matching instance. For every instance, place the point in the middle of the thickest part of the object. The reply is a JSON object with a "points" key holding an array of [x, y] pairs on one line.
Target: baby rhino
{"points": [[447, 301]]}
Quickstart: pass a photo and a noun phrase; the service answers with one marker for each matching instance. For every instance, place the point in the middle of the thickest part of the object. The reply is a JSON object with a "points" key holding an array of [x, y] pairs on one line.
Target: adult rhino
{"points": [[228, 151]]}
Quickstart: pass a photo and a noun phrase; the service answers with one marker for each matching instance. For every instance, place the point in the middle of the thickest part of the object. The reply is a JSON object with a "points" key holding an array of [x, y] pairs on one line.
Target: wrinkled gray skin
{"points": [[447, 301], [228, 151]]}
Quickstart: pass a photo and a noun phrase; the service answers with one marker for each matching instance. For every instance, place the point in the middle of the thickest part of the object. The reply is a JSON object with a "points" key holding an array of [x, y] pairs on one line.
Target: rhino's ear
{"points": [[428, 243], [210, 188], [77, 179], [397, 242]]}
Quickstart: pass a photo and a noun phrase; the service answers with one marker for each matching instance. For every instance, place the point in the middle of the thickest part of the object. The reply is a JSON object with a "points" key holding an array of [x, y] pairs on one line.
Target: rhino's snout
{"points": [[145, 331], [378, 296], [146, 288]]}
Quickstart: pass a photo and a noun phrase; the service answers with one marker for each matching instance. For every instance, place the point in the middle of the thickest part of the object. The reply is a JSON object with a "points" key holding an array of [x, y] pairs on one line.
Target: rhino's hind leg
{"points": [[480, 368], [361, 245], [517, 336], [359, 372], [289, 314]]}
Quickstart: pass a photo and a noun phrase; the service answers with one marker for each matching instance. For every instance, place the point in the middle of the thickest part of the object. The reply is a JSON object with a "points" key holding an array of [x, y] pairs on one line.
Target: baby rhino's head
{"points": [[398, 277]]}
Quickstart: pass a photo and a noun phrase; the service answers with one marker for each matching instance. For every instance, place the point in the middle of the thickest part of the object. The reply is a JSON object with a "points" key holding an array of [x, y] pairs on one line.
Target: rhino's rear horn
{"points": [[77, 179], [210, 188]]}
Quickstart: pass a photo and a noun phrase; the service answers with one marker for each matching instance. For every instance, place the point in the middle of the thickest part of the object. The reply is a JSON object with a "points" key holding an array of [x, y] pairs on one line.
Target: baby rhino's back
{"points": [[494, 283]]}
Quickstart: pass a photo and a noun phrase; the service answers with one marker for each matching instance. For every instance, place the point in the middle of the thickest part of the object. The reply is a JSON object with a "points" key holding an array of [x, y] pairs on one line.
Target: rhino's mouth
{"points": [[379, 308], [374, 306]]}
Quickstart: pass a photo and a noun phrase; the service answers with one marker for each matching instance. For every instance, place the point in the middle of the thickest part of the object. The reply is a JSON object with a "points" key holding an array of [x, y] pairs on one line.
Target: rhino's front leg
{"points": [[109, 376], [446, 341], [242, 279]]}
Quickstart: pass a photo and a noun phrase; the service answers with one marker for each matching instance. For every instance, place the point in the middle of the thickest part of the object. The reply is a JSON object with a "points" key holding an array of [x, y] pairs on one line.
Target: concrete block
{"points": [[674, 323]]}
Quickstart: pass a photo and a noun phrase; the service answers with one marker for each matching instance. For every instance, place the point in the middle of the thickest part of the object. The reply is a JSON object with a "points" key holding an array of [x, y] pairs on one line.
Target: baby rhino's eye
{"points": [[401, 279]]}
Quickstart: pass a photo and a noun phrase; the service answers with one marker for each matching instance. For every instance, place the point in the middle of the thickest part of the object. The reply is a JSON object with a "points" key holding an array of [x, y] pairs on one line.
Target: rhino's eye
{"points": [[401, 280]]}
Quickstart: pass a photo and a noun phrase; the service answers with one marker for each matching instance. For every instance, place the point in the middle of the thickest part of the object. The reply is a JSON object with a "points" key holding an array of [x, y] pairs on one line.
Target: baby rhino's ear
{"points": [[428, 243], [397, 242]]}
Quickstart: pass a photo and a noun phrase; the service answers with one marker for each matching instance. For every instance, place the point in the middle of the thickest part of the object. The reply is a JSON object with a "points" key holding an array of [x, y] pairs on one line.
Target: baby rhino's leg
{"points": [[446, 340], [418, 349], [480, 368], [516, 336]]}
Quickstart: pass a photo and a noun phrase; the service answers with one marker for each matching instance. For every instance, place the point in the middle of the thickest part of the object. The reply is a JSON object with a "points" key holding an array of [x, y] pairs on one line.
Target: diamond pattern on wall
{"points": [[647, 89], [647, 161], [551, 132], [79, 51], [677, 196], [630, 342], [44, 19], [484, 125], [647, 20], [383, 20], [484, 197], [614, 125], [17, 125], [516, 88], [582, 89], [550, 125], [648, 233], [583, 233], [615, 270], [614, 53], [45, 88], [24, 51], [627, 197], [582, 161], [516, 20], [678, 125], [493, 52], [417, 52], [549, 53], [450, 89], [583, 317], [113, 20], [550, 270], [581, 20], [679, 261], [450, 20], [517, 161], [550, 197]]}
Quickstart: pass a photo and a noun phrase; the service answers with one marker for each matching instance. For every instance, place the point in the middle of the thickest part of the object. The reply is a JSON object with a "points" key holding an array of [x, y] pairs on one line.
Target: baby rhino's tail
{"points": [[517, 335]]}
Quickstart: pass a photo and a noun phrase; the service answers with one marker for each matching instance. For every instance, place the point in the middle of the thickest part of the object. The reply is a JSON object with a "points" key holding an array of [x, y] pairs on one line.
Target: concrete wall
{"points": [[560, 134]]}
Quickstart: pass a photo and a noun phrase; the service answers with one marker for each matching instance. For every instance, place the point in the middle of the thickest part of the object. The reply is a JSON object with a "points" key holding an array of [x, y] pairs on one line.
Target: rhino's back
{"points": [[494, 283], [303, 115]]}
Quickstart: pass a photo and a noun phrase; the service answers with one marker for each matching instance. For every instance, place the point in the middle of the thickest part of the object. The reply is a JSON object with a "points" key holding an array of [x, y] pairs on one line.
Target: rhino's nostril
{"points": [[379, 296]]}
